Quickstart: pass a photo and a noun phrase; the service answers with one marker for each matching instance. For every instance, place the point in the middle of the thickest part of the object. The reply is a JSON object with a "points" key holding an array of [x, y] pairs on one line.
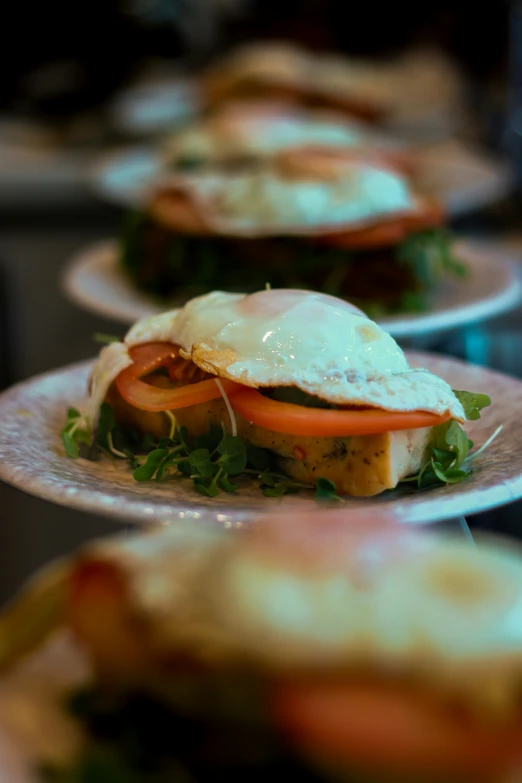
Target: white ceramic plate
{"points": [[462, 179], [94, 281], [32, 458]]}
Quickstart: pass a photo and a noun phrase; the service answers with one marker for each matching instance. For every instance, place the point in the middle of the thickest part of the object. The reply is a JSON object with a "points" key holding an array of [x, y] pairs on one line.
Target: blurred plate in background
{"points": [[462, 177], [94, 281]]}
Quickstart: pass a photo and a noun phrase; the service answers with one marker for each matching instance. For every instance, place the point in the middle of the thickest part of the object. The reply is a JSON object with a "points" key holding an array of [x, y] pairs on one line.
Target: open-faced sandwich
{"points": [[422, 83], [347, 224], [278, 382], [240, 132], [293, 650]]}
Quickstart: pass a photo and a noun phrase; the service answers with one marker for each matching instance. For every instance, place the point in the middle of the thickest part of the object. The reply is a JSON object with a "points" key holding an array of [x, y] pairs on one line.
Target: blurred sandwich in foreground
{"points": [[306, 647]]}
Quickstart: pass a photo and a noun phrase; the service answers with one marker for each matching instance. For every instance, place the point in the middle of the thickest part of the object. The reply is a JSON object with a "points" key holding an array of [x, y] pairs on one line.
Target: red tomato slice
{"points": [[320, 160], [293, 419], [149, 357], [387, 232], [386, 728]]}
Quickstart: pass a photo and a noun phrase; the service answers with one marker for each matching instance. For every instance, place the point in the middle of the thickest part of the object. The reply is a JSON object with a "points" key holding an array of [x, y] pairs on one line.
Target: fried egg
{"points": [[308, 592], [315, 342], [262, 129], [316, 590], [297, 194]]}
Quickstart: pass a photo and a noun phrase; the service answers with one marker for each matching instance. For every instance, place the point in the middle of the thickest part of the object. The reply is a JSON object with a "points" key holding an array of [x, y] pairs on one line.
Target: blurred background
{"points": [[80, 80]]}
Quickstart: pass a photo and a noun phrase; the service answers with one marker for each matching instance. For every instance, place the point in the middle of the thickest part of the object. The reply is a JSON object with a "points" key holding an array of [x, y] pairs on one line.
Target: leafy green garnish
{"points": [[412, 302], [447, 457], [326, 490], [106, 424], [258, 458], [274, 485], [75, 433], [214, 457], [192, 727], [211, 460], [472, 403], [429, 255], [298, 397], [396, 279], [105, 339], [189, 162], [153, 462], [450, 441], [448, 475], [98, 764], [132, 231], [71, 446]]}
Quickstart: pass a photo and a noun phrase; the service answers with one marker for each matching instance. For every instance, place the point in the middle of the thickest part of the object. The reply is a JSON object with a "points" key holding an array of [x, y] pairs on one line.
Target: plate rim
{"points": [[139, 511], [425, 324]]}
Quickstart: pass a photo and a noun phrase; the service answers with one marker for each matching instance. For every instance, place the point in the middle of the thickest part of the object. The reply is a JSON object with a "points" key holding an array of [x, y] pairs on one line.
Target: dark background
{"points": [[58, 57]]}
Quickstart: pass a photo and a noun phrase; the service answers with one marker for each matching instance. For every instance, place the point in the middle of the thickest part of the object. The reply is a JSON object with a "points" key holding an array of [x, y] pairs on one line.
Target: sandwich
{"points": [[242, 132], [284, 72], [341, 222], [296, 388], [420, 88], [297, 648]]}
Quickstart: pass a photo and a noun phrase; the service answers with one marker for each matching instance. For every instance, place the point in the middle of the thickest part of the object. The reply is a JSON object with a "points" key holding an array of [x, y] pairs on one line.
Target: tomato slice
{"points": [[149, 357], [387, 232], [291, 419], [388, 728], [176, 210], [319, 160], [270, 414]]}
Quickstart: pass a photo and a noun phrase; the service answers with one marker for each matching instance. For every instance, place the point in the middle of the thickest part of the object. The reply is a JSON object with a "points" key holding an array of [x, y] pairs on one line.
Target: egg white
{"points": [[113, 359], [271, 199], [318, 343], [261, 130], [425, 604]]}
